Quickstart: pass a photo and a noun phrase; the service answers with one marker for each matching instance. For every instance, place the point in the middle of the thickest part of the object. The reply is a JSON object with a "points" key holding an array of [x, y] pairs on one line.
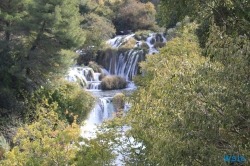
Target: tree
{"points": [[98, 29], [38, 32], [190, 110], [64, 98], [37, 39], [136, 15], [232, 15], [48, 141]]}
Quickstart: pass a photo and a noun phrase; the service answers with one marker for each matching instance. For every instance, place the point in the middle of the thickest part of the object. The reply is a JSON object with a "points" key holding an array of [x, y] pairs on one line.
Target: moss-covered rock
{"points": [[113, 82]]}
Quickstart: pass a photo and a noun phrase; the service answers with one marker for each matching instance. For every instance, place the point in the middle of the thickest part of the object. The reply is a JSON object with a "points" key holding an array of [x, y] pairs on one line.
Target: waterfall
{"points": [[125, 63], [103, 110], [85, 76]]}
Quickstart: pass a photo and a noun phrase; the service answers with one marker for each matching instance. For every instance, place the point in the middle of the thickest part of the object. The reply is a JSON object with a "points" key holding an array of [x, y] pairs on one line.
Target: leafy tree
{"points": [[190, 110], [65, 98], [51, 141], [232, 15], [34, 34], [98, 29], [50, 29], [136, 15], [48, 141]]}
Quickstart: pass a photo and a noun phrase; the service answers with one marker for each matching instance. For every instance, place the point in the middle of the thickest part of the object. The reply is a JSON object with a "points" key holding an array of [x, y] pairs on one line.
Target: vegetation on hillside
{"points": [[192, 105]]}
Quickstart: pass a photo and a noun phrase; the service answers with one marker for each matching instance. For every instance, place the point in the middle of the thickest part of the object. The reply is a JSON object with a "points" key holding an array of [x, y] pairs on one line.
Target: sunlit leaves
{"points": [[48, 141], [189, 109]]}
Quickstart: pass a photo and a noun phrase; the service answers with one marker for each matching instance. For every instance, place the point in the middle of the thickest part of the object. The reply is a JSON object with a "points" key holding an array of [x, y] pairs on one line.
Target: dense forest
{"points": [[192, 104]]}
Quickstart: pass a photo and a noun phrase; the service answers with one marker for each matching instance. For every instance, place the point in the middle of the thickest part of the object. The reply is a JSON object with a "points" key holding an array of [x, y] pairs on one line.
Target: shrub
{"points": [[62, 96], [48, 141], [127, 45], [136, 15], [159, 44], [142, 34], [113, 82], [101, 76], [144, 47], [95, 67], [118, 101], [4, 147]]}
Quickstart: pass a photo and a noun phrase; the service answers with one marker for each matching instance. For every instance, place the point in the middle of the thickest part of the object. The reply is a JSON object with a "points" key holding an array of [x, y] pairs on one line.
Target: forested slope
{"points": [[192, 105]]}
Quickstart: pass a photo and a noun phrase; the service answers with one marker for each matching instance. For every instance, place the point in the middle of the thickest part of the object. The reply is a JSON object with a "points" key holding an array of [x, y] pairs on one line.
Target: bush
{"points": [[142, 34], [118, 101], [144, 47], [101, 76], [127, 45], [95, 67], [61, 97], [113, 82], [4, 147], [159, 44], [136, 15]]}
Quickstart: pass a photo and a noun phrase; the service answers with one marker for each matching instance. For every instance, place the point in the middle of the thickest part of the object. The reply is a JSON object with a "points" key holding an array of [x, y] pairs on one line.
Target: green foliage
{"points": [[136, 15], [190, 110], [142, 34], [65, 98], [98, 29], [159, 44], [51, 141], [37, 39], [4, 147], [48, 141], [127, 45], [97, 151], [232, 15], [119, 101]]}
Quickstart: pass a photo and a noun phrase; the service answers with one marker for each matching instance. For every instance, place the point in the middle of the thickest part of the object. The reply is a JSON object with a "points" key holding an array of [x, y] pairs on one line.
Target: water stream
{"points": [[122, 64]]}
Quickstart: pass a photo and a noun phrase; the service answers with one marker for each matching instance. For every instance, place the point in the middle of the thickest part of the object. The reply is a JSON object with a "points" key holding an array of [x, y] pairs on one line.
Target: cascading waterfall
{"points": [[125, 64], [86, 76], [103, 110]]}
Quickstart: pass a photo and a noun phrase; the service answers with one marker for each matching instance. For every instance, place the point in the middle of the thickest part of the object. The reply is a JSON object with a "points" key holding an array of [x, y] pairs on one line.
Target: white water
{"points": [[125, 65], [103, 110], [118, 40]]}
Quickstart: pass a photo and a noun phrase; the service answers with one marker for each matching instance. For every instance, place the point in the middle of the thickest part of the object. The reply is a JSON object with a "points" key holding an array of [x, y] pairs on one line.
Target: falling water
{"points": [[123, 64]]}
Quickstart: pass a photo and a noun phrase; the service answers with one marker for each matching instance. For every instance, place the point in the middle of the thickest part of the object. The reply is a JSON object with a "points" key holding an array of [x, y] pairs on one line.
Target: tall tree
{"points": [[231, 15], [192, 110], [34, 38]]}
